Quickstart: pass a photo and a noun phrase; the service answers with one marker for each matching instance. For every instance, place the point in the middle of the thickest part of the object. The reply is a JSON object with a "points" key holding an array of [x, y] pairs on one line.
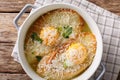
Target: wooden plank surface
{"points": [[13, 5], [9, 69], [16, 5], [8, 76], [111, 5]]}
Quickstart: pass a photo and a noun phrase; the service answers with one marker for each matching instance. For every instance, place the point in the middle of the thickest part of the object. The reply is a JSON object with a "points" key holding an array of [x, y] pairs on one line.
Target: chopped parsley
{"points": [[34, 36], [32, 52], [38, 58], [65, 65], [59, 29], [67, 31], [24, 46]]}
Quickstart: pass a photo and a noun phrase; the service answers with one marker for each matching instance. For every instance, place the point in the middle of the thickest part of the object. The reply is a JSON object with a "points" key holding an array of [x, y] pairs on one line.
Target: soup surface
{"points": [[59, 45]]}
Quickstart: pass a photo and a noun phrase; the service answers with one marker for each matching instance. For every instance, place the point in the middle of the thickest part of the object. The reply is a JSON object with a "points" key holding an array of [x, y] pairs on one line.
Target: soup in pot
{"points": [[59, 45]]}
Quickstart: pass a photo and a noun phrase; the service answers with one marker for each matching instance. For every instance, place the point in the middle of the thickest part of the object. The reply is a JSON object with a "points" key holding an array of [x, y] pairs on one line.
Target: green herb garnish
{"points": [[59, 29], [65, 65], [34, 36], [67, 31], [32, 52], [65, 27], [38, 58], [24, 46]]}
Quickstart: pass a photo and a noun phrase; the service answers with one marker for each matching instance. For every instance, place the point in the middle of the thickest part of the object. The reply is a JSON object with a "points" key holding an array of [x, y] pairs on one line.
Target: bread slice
{"points": [[50, 73], [59, 18], [47, 71], [88, 39]]}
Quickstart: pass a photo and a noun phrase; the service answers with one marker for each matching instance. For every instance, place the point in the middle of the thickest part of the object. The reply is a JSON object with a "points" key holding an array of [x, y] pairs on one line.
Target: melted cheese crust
{"points": [[76, 54], [49, 35], [63, 58]]}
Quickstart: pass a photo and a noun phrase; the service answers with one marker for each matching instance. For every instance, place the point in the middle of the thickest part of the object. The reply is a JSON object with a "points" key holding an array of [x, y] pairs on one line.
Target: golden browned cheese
{"points": [[89, 40], [44, 69], [62, 58]]}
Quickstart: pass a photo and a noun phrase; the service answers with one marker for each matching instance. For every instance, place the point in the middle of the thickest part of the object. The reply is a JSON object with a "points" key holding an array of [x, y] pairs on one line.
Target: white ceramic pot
{"points": [[39, 11]]}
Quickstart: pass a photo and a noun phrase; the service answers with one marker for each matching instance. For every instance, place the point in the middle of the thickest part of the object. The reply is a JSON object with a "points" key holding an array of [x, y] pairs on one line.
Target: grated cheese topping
{"points": [[72, 55]]}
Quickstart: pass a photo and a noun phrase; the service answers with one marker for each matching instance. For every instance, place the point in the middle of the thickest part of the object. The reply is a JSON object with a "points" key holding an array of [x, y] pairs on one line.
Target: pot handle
{"points": [[102, 72], [15, 21]]}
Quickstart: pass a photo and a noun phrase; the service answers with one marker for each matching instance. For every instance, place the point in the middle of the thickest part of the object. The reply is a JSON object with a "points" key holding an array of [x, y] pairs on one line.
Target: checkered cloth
{"points": [[109, 25]]}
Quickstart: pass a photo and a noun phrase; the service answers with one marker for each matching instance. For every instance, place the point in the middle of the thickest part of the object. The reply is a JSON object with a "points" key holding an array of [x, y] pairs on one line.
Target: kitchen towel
{"points": [[109, 25]]}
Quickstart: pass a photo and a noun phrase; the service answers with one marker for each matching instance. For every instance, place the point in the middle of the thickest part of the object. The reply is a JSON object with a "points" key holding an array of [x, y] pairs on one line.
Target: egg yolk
{"points": [[76, 54], [49, 35]]}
